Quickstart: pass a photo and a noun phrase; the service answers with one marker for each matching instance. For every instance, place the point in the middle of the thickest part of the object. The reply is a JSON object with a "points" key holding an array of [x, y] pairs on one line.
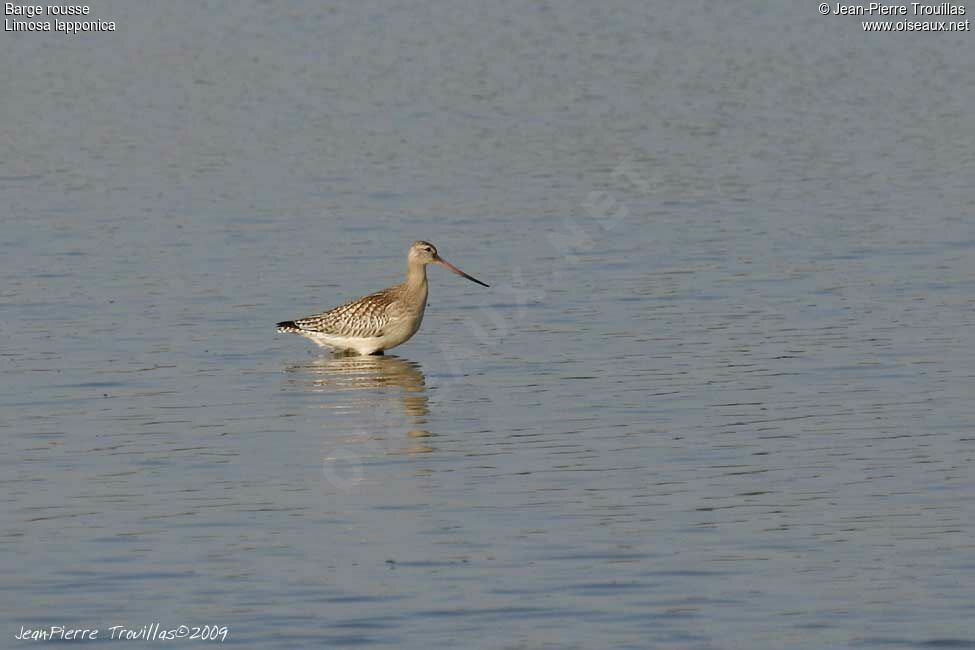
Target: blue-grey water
{"points": [[718, 396]]}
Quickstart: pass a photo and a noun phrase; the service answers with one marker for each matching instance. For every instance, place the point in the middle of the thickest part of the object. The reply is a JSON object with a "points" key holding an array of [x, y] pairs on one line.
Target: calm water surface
{"points": [[718, 395]]}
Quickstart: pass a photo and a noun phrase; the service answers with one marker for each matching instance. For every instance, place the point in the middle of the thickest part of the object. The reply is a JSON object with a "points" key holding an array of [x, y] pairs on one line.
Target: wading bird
{"points": [[381, 320]]}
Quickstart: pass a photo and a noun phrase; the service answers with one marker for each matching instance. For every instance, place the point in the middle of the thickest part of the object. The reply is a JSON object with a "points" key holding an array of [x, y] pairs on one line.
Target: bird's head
{"points": [[423, 252]]}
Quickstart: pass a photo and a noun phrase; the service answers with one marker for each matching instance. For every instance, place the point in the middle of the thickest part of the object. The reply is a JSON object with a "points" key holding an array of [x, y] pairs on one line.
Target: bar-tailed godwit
{"points": [[381, 320]]}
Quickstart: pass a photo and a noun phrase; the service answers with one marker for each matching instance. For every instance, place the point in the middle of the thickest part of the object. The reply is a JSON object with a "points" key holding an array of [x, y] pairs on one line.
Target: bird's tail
{"points": [[289, 327]]}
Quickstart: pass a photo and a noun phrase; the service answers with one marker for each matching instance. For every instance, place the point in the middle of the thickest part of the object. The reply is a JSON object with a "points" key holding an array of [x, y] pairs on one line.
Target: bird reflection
{"points": [[381, 393]]}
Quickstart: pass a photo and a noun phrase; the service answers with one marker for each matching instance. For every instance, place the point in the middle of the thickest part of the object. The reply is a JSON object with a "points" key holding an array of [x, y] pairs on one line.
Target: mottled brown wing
{"points": [[365, 317]]}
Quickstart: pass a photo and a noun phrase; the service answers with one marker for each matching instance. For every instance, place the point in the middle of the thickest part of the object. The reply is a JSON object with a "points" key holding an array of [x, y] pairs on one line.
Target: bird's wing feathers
{"points": [[365, 317]]}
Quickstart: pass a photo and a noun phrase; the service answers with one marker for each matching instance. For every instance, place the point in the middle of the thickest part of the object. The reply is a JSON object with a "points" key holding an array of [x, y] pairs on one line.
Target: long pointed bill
{"points": [[444, 263]]}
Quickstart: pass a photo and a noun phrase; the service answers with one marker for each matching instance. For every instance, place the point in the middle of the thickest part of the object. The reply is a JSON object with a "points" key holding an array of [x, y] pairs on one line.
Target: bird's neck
{"points": [[416, 277]]}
